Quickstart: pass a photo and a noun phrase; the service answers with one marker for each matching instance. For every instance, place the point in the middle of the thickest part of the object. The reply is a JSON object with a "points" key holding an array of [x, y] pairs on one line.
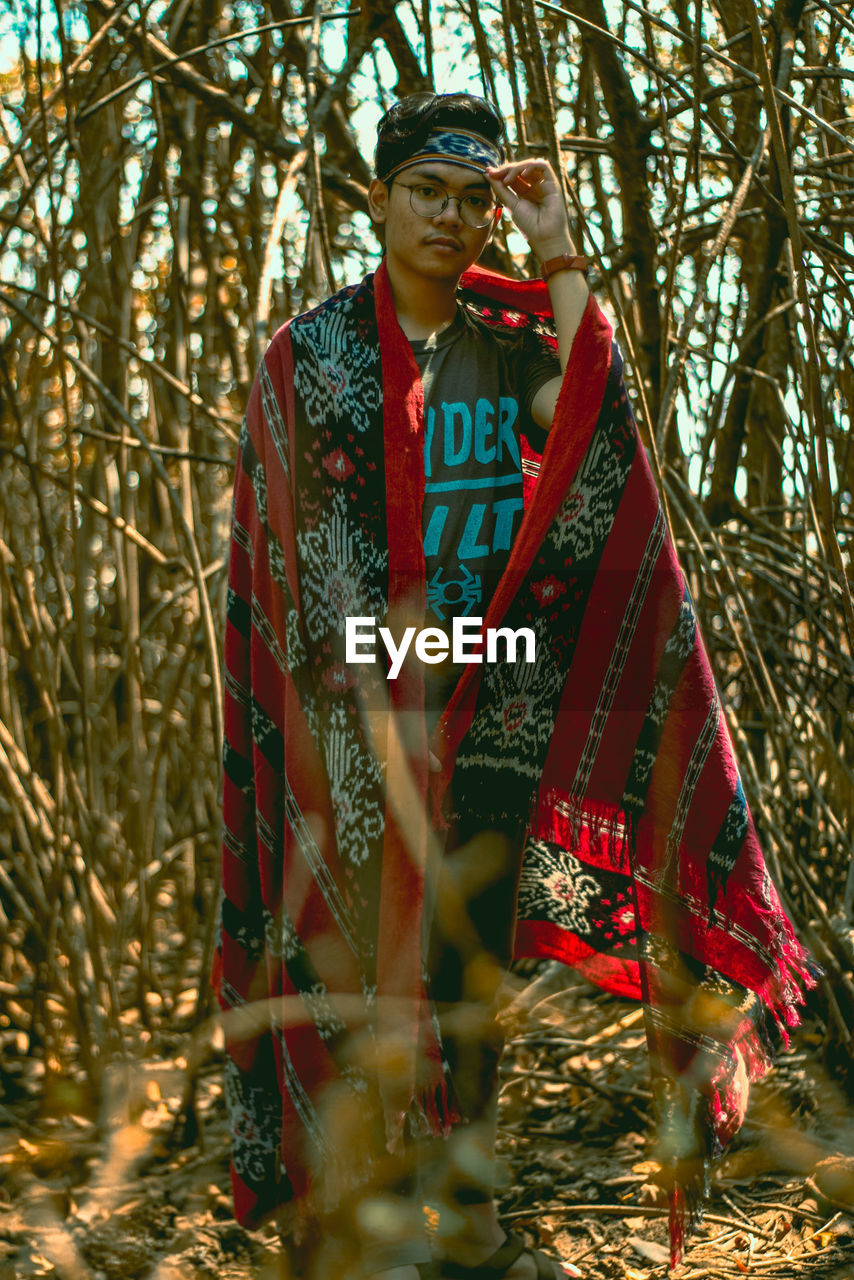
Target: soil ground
{"points": [[149, 1199]]}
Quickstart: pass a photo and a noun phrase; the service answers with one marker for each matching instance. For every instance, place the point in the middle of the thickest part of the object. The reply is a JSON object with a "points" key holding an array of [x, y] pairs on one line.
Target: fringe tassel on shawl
{"points": [[752, 1054]]}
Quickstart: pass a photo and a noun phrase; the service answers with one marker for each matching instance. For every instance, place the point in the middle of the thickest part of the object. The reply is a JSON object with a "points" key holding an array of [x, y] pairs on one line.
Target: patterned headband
{"points": [[454, 146]]}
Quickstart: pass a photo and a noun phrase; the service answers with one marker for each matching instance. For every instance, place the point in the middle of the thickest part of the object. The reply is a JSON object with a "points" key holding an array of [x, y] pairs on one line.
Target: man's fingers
{"points": [[525, 169], [506, 195], [501, 189], [524, 181]]}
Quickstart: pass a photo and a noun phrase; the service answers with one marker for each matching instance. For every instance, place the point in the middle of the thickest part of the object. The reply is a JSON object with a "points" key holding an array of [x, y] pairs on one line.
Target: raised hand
{"points": [[531, 193]]}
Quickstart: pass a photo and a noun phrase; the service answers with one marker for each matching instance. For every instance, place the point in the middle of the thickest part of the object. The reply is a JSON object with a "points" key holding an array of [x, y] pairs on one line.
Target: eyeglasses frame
{"points": [[449, 196]]}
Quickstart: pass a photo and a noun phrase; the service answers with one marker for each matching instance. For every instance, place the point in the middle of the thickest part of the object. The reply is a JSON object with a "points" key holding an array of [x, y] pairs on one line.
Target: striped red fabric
{"points": [[640, 864]]}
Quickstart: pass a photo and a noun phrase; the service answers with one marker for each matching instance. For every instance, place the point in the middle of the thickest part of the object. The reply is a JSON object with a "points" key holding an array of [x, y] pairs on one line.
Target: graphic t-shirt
{"points": [[479, 386]]}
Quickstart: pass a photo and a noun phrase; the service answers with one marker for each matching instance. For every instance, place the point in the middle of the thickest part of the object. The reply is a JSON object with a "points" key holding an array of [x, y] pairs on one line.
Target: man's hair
{"points": [[406, 126]]}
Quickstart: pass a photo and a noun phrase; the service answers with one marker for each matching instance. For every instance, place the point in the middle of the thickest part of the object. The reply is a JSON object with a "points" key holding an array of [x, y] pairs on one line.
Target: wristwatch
{"points": [[563, 262]]}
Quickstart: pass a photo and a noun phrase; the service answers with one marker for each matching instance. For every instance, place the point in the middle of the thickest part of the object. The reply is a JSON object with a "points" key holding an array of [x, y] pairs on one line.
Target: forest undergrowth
{"points": [[142, 1189]]}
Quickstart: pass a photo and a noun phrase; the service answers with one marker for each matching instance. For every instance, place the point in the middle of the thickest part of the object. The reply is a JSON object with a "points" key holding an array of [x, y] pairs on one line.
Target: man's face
{"points": [[440, 247]]}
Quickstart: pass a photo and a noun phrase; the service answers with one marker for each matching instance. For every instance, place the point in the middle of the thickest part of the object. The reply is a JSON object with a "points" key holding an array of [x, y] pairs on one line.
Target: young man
{"points": [[440, 186], [442, 450]]}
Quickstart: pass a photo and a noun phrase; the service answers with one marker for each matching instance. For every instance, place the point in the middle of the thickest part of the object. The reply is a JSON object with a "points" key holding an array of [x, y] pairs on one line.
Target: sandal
{"points": [[500, 1262]]}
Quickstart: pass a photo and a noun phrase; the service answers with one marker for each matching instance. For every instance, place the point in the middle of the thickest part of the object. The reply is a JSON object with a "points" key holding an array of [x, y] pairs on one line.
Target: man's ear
{"points": [[378, 194]]}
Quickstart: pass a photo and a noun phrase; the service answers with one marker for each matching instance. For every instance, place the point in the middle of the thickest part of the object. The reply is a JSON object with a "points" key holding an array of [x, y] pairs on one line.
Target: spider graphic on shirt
{"points": [[440, 593]]}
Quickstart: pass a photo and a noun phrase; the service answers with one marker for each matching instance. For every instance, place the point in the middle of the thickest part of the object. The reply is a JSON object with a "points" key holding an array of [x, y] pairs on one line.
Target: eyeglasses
{"points": [[428, 201]]}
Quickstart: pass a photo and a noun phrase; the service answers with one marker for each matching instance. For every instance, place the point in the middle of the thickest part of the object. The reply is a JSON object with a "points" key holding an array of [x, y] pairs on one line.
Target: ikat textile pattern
{"points": [[453, 146], [609, 758]]}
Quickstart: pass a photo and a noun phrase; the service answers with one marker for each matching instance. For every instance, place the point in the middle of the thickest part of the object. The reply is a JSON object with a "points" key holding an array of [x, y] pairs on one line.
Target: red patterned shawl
{"points": [[641, 866]]}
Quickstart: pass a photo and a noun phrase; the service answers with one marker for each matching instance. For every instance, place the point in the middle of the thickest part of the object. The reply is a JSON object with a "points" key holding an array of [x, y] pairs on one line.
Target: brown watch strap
{"points": [[563, 262]]}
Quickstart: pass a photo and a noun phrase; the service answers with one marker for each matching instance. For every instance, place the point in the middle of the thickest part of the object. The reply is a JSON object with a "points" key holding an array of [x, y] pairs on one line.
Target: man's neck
{"points": [[424, 306]]}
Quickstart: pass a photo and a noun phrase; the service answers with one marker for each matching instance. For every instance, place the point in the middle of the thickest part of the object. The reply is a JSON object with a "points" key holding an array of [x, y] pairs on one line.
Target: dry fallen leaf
{"points": [[650, 1250], [547, 1227], [650, 1193], [834, 1178]]}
